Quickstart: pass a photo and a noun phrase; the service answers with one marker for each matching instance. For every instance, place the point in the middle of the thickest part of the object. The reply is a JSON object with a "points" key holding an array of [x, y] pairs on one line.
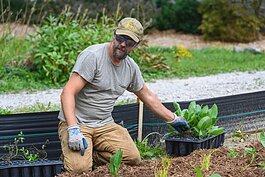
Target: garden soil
{"points": [[220, 163]]}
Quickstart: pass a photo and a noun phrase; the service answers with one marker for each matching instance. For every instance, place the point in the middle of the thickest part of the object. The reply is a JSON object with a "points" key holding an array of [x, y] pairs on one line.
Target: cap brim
{"points": [[128, 33]]}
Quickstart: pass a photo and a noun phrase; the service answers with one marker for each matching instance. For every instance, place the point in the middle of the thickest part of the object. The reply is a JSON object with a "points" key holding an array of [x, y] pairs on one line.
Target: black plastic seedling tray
{"points": [[179, 146], [22, 168]]}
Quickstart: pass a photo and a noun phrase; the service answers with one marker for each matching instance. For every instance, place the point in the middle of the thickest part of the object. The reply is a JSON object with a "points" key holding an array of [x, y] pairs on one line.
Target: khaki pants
{"points": [[103, 142]]}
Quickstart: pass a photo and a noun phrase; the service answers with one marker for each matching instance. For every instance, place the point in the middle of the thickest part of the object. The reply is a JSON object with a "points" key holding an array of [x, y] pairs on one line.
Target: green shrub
{"points": [[225, 21], [58, 42], [179, 15], [150, 62]]}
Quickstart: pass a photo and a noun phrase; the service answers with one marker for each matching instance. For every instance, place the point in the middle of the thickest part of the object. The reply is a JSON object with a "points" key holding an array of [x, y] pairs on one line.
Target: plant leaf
{"points": [[198, 171], [115, 162], [213, 112], [215, 130], [177, 108], [192, 106], [205, 123]]}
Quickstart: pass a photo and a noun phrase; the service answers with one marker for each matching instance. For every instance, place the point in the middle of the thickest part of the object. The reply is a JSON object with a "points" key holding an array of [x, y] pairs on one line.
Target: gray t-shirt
{"points": [[106, 82]]}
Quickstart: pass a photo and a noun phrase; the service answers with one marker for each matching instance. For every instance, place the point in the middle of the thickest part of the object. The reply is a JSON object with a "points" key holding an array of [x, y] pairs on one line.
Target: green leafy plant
{"points": [[115, 162], [18, 152], [166, 162], [148, 152], [201, 119]]}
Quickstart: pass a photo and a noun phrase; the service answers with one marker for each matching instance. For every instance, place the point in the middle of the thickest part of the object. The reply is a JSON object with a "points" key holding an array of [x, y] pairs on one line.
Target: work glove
{"points": [[76, 140], [179, 123]]}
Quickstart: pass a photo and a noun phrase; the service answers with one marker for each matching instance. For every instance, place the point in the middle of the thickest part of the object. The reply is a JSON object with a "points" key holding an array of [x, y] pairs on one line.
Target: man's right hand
{"points": [[76, 140]]}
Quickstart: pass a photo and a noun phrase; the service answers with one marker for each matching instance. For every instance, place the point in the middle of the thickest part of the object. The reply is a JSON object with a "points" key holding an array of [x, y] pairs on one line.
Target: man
{"points": [[101, 74]]}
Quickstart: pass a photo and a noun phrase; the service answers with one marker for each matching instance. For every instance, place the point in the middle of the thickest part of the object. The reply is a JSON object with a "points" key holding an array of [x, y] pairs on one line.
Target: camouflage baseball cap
{"points": [[130, 27]]}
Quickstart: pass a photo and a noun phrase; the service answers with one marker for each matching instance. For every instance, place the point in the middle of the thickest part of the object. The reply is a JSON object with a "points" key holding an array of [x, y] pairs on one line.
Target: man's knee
{"points": [[133, 159]]}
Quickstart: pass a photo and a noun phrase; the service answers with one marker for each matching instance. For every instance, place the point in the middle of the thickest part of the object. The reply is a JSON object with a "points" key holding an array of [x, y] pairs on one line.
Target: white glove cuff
{"points": [[72, 127], [174, 119]]}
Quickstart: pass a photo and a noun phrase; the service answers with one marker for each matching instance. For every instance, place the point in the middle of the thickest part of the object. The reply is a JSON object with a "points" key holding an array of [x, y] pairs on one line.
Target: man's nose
{"points": [[123, 43]]}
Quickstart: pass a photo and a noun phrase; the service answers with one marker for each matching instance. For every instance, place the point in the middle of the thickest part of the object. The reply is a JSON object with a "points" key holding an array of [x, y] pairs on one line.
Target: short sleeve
{"points": [[86, 65], [137, 82]]}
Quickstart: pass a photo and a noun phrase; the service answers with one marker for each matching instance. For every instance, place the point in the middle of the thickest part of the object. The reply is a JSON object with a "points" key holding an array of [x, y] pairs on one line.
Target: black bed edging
{"points": [[22, 168]]}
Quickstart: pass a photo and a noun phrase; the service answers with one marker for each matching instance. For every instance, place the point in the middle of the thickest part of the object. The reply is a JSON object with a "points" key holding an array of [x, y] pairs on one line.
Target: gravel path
{"points": [[167, 90]]}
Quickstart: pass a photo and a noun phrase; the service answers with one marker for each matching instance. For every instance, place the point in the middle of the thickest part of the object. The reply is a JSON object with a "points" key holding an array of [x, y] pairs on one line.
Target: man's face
{"points": [[122, 46]]}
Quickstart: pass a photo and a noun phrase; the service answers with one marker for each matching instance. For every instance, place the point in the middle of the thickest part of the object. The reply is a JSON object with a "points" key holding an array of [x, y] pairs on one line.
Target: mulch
{"points": [[220, 163]]}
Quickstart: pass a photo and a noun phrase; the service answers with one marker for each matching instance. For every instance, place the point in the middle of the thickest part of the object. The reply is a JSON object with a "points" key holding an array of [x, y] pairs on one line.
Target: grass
{"points": [[38, 107], [209, 61], [13, 51]]}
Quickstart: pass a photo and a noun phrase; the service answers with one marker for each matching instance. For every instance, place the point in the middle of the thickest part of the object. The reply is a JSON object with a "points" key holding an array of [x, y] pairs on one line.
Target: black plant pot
{"points": [[22, 168], [179, 146]]}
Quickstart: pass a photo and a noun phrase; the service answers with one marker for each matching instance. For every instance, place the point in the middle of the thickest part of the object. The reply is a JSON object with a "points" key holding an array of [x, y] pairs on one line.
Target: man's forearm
{"points": [[68, 106]]}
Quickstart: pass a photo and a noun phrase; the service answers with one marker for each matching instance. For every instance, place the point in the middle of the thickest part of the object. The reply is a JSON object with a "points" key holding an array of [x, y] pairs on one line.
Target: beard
{"points": [[119, 52]]}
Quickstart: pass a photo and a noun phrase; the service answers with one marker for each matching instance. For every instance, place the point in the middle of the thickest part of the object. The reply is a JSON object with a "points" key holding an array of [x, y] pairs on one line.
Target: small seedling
{"points": [[200, 174], [250, 152], [239, 134], [232, 153], [166, 162], [115, 162], [198, 171]]}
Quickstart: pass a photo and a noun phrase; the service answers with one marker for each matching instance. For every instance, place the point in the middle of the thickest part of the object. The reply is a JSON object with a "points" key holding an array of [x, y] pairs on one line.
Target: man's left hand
{"points": [[179, 123]]}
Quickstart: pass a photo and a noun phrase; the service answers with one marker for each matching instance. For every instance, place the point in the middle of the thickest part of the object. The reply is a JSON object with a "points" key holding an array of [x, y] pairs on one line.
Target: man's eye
{"points": [[119, 38], [130, 43]]}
